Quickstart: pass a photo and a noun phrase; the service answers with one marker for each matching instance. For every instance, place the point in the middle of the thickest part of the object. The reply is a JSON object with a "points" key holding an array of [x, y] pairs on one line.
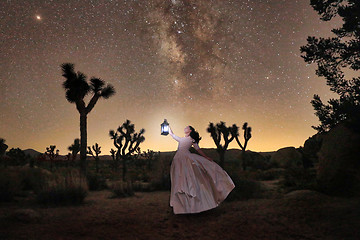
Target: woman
{"points": [[197, 182]]}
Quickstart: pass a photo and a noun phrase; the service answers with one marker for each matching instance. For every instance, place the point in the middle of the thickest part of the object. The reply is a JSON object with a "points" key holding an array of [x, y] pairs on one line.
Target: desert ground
{"points": [[301, 214]]}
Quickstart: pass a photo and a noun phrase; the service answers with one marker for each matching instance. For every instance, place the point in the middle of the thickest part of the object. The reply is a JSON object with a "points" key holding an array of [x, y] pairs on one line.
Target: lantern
{"points": [[165, 128]]}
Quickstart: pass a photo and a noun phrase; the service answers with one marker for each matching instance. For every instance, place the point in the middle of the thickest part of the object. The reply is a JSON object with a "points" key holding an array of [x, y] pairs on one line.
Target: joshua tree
{"points": [[77, 88], [247, 136], [127, 142], [3, 147], [334, 56], [115, 159], [97, 151], [74, 148], [50, 152], [218, 132]]}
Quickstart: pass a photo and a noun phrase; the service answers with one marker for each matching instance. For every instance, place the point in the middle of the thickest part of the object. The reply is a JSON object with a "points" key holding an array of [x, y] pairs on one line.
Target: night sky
{"points": [[192, 62]]}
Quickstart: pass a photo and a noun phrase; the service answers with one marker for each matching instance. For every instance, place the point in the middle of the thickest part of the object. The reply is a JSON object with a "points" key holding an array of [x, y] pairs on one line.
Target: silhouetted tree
{"points": [[50, 152], [247, 136], [218, 132], [17, 157], [75, 149], [3, 147], [332, 56], [77, 88], [115, 163], [127, 141], [97, 151]]}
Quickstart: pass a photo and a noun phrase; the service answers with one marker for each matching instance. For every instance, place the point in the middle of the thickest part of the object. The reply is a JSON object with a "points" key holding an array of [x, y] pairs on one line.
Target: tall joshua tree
{"points": [[247, 136], [74, 148], [127, 141], [97, 151], [332, 56], [218, 132], [77, 88]]}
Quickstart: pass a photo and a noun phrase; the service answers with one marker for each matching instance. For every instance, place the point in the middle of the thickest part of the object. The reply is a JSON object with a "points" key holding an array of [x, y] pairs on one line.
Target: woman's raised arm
{"points": [[173, 135]]}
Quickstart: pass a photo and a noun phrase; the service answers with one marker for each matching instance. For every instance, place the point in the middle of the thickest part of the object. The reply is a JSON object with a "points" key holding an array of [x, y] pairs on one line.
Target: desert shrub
{"points": [[122, 189], [64, 188], [96, 182], [10, 184], [299, 178], [245, 189], [33, 178]]}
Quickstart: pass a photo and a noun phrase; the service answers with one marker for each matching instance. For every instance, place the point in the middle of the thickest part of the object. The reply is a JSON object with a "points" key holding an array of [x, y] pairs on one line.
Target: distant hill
{"points": [[32, 152]]}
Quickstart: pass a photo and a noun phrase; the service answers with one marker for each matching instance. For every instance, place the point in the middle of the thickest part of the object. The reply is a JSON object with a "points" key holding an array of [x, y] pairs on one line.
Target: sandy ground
{"points": [[300, 215]]}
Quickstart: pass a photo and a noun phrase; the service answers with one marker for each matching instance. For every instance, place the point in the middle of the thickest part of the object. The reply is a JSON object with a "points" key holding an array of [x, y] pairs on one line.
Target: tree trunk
{"points": [[222, 159], [124, 170], [83, 145], [97, 164], [243, 156]]}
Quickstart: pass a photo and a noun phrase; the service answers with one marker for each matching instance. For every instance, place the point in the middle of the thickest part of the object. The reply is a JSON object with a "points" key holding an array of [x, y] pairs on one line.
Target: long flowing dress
{"points": [[197, 184]]}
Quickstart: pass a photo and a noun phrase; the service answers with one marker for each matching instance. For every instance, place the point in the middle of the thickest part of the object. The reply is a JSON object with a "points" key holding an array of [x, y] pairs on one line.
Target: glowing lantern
{"points": [[165, 128]]}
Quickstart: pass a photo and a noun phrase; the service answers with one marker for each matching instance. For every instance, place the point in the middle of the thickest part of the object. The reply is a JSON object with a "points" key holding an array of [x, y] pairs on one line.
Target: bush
{"points": [[96, 182], [245, 189], [64, 188], [33, 178], [10, 184], [121, 189], [299, 178]]}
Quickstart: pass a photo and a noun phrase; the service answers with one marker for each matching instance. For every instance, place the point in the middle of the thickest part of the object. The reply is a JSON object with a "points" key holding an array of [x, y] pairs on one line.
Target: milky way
{"points": [[192, 62]]}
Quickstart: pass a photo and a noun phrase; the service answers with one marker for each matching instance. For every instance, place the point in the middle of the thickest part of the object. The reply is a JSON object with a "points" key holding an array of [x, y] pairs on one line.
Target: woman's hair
{"points": [[194, 135]]}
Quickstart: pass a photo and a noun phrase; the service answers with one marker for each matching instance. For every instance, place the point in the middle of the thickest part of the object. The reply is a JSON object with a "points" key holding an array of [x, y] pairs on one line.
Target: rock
{"points": [[310, 150], [255, 160], [286, 158], [338, 170], [27, 215]]}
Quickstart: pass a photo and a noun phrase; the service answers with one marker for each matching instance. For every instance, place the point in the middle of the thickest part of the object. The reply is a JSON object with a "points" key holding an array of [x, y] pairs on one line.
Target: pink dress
{"points": [[197, 184]]}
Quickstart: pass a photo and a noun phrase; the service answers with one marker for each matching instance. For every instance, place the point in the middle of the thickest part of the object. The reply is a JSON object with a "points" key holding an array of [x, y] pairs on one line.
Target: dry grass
{"points": [[148, 216]]}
